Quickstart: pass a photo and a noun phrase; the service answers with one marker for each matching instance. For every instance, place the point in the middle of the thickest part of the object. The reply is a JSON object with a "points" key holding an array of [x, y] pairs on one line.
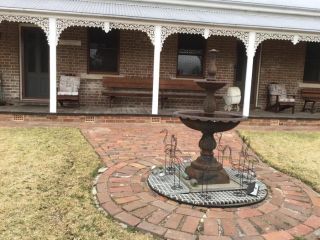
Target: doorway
{"points": [[35, 63]]}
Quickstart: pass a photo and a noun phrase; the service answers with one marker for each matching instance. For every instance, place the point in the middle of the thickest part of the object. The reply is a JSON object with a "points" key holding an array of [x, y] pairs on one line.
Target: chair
{"points": [[278, 99], [69, 90]]}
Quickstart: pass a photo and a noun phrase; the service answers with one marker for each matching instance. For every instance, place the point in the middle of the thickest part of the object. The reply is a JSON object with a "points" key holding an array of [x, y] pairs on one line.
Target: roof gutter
{"points": [[236, 5]]}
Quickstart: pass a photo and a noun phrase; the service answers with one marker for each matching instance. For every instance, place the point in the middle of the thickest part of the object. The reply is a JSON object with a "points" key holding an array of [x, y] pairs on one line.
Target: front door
{"points": [[35, 60]]}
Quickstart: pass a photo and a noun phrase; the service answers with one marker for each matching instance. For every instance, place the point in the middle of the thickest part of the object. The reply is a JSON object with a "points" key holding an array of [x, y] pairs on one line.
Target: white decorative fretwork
{"points": [[63, 23], [148, 29], [262, 36], [166, 31], [240, 34], [205, 32], [293, 37], [42, 22], [296, 39], [309, 38]]}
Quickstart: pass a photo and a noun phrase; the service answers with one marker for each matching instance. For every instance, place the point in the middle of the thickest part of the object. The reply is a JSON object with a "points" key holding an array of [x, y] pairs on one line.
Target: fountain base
{"points": [[217, 176], [232, 194]]}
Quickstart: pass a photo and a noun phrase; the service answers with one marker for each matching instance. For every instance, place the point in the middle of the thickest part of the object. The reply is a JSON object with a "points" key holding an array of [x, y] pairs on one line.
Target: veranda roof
{"points": [[166, 12]]}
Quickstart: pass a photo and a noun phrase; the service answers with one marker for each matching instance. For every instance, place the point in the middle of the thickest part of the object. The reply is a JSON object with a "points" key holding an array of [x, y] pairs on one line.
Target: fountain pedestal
{"points": [[206, 169]]}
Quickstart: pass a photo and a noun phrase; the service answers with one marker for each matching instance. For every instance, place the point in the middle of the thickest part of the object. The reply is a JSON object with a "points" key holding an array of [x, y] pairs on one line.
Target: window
{"points": [[103, 51], [312, 63], [191, 49]]}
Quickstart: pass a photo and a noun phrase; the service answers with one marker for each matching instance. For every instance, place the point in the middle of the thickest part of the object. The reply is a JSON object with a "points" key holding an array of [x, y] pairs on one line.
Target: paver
{"points": [[278, 235], [173, 221], [300, 230], [178, 235], [158, 216], [267, 207], [249, 212], [149, 227], [164, 205], [229, 227], [190, 224], [127, 218], [214, 213], [211, 227], [134, 205], [247, 228], [313, 222], [126, 199], [144, 211]]}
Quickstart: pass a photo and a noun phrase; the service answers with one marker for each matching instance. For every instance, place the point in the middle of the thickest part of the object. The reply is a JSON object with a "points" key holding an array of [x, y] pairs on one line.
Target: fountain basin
{"points": [[206, 168], [211, 85], [209, 122]]}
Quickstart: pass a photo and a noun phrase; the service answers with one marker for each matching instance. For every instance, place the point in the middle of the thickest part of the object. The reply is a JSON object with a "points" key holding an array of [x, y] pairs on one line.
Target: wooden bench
{"points": [[310, 95], [118, 87]]}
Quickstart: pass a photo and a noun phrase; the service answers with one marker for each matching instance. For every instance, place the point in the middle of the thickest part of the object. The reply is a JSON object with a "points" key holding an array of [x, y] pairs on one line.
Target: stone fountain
{"points": [[209, 121], [205, 181]]}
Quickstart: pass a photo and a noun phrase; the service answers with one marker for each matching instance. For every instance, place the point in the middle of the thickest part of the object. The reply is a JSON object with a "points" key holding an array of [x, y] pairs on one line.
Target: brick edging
{"points": [[100, 118]]}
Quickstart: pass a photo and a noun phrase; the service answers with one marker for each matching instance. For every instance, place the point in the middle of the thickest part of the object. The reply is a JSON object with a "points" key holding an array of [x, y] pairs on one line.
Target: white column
{"points": [[53, 64], [248, 83], [156, 70]]}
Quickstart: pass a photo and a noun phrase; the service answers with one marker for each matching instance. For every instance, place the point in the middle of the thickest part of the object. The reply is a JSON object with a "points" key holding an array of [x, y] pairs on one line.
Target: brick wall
{"points": [[137, 62], [83, 120], [9, 61], [73, 60], [281, 62]]}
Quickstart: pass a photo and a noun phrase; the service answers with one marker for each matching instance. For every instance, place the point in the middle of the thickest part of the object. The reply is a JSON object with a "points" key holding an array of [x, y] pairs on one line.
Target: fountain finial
{"points": [[212, 67]]}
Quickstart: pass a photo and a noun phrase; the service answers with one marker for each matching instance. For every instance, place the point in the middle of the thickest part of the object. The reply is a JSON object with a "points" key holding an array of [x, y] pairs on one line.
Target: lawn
{"points": [[294, 153], [46, 180]]}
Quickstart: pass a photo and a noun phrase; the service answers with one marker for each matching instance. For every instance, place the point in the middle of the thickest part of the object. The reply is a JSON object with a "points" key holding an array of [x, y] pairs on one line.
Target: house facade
{"points": [[258, 44]]}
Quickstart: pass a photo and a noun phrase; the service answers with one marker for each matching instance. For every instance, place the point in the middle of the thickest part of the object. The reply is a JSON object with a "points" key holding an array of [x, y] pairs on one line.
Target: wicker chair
{"points": [[278, 99], [69, 90]]}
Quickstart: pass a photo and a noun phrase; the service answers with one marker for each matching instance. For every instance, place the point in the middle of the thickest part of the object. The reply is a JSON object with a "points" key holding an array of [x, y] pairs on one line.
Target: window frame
{"points": [[204, 56], [305, 63], [89, 71]]}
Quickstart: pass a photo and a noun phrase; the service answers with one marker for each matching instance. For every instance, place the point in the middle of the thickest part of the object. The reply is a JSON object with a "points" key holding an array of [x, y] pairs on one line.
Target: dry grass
{"points": [[295, 153], [46, 178]]}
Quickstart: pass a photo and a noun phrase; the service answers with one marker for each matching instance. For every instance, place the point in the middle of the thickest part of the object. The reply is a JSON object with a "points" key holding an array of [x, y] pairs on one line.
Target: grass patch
{"points": [[294, 153], [46, 179]]}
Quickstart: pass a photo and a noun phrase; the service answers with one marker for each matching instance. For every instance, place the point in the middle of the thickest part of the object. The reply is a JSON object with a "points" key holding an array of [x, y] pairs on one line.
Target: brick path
{"points": [[129, 150]]}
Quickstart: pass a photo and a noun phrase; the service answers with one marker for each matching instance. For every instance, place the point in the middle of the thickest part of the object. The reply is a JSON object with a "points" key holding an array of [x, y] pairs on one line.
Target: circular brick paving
{"points": [[291, 209]]}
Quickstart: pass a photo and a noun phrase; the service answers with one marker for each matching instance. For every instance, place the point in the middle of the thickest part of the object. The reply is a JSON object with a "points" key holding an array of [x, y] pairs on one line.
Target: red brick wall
{"points": [[137, 62], [136, 54], [281, 62], [72, 59], [9, 61], [225, 63]]}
